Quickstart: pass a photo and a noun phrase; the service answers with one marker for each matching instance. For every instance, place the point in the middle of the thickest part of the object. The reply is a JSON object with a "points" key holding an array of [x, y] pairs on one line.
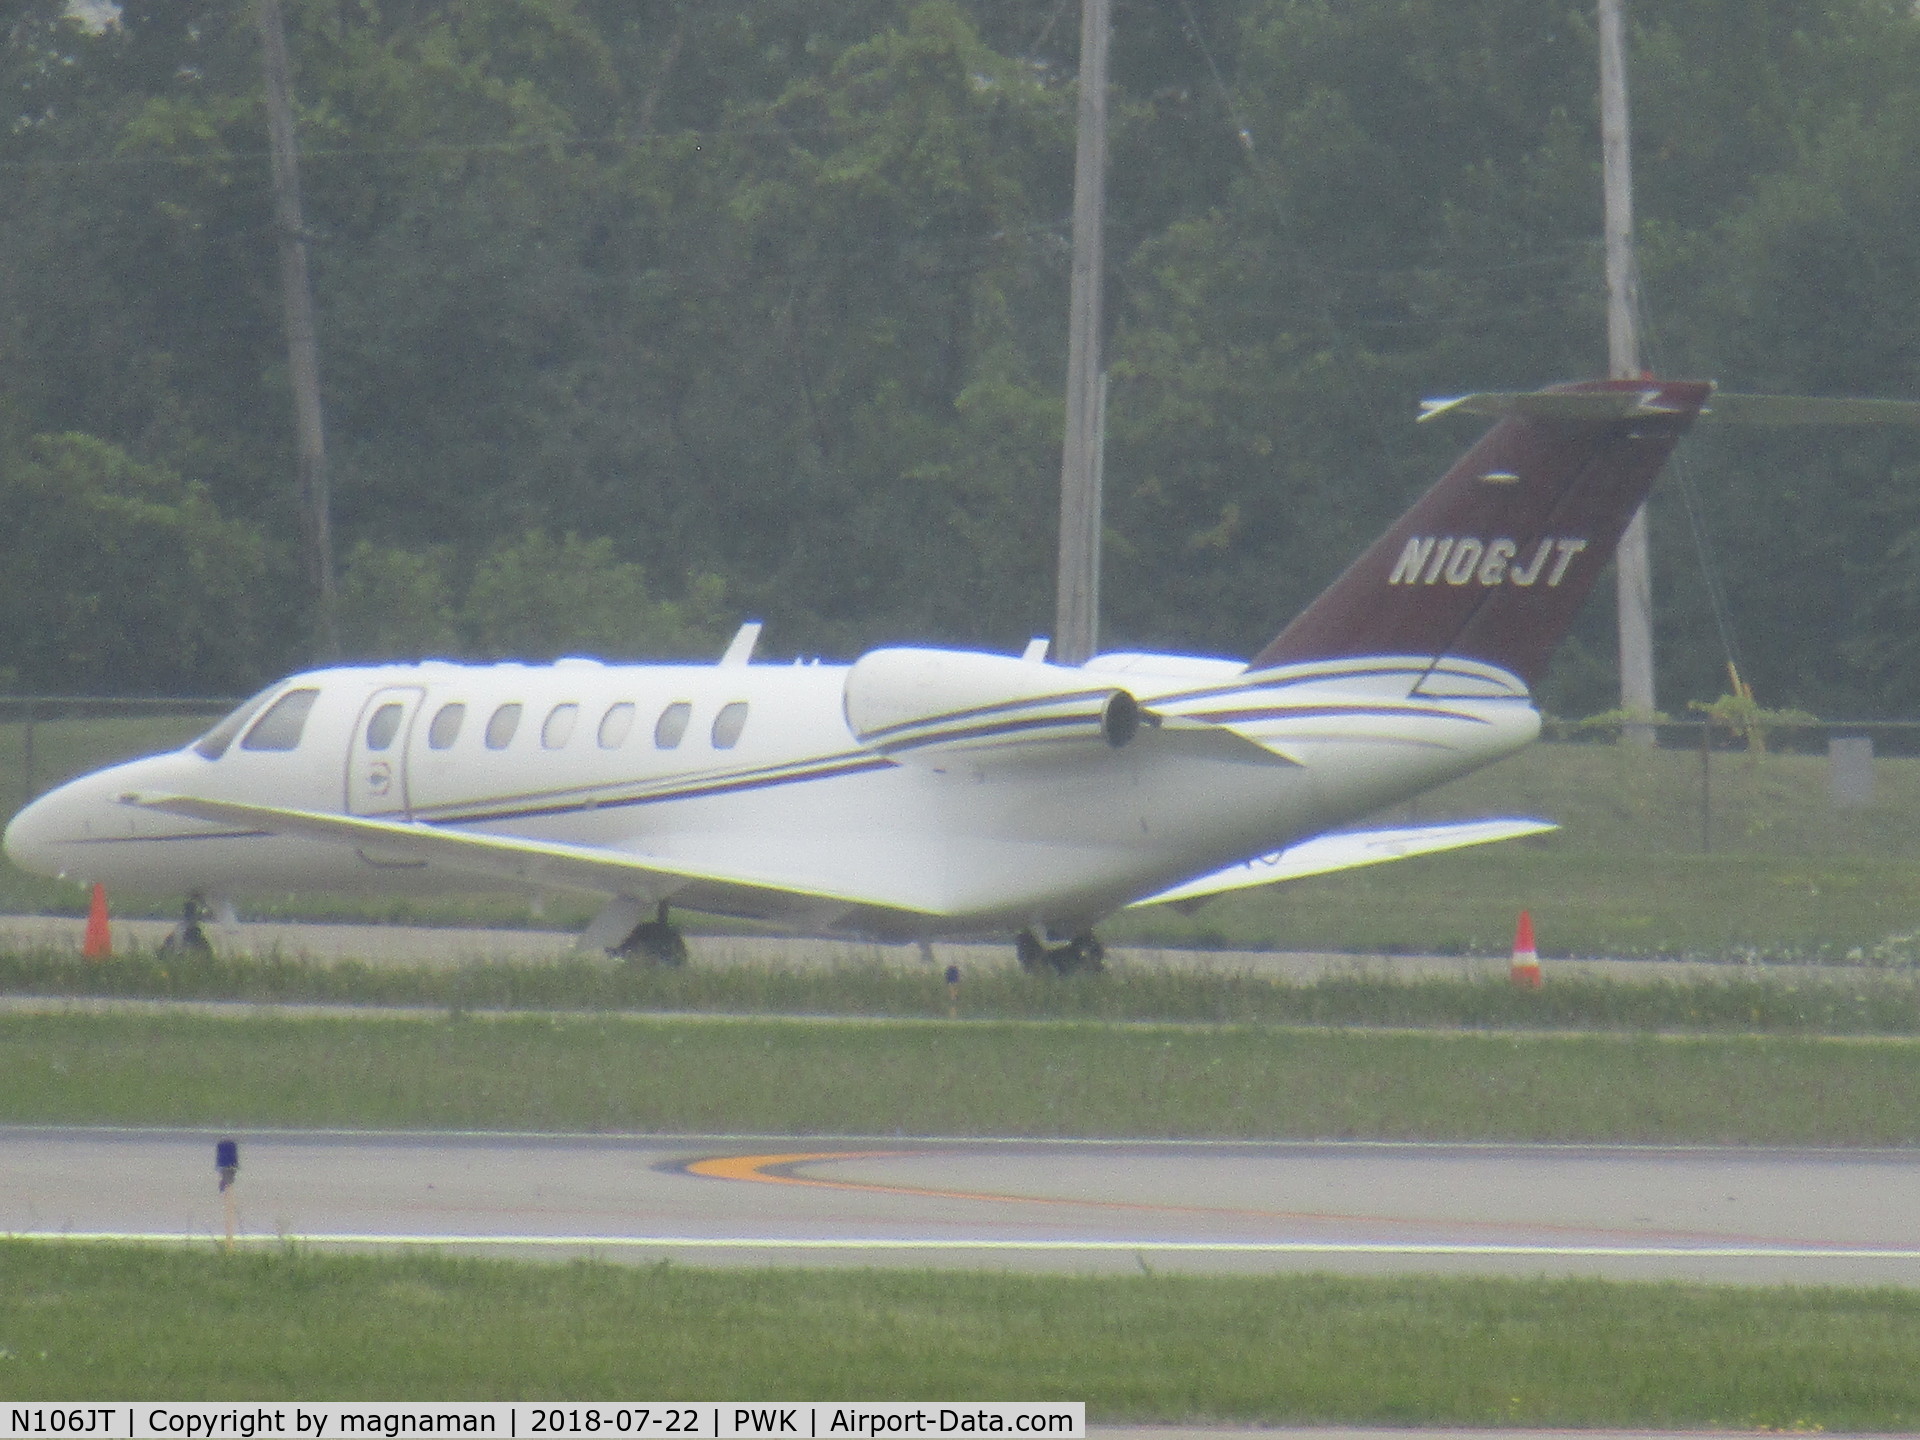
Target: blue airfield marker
{"points": [[226, 1160]]}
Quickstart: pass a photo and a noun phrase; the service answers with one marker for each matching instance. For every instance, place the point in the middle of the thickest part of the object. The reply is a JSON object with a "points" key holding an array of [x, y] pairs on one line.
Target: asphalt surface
{"points": [[1732, 1215]]}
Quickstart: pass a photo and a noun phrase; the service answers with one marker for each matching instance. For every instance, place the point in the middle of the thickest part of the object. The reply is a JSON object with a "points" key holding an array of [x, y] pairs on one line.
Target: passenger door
{"points": [[377, 754]]}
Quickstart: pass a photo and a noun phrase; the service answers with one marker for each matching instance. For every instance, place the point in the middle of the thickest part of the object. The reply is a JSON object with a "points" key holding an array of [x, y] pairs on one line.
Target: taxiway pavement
{"points": [[1733, 1215]]}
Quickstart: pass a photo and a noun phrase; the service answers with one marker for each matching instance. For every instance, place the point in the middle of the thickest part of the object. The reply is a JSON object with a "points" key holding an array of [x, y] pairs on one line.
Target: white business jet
{"points": [[918, 794]]}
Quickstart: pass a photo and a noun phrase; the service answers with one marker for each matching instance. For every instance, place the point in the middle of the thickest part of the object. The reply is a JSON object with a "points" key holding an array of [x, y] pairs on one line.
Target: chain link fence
{"points": [[47, 739], [1781, 787]]}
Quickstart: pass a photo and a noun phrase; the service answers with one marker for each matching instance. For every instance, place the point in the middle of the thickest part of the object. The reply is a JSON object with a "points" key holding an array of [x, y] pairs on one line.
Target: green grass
{"points": [[83, 1323], [1846, 1001], [1646, 905], [1789, 877], [939, 1078]]}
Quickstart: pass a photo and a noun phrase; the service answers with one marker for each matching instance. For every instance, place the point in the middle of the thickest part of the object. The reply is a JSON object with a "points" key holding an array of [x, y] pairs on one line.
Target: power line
{"points": [[1226, 96]]}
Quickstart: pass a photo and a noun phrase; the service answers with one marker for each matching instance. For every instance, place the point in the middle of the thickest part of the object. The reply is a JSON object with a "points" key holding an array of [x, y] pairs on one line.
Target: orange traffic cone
{"points": [[1526, 960], [99, 942]]}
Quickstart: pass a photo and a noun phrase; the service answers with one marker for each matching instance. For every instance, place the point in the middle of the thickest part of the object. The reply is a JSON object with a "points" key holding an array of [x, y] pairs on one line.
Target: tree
{"points": [[535, 598], [530, 597], [121, 577], [775, 292]]}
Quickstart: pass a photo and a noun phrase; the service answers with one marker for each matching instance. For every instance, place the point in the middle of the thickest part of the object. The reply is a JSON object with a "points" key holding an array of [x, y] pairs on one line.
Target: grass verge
{"points": [[938, 1078], [1619, 903], [1848, 1001], [82, 1323]]}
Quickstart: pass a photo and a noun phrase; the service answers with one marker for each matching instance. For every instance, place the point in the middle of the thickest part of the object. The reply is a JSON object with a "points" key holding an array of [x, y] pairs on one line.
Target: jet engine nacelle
{"points": [[934, 705]]}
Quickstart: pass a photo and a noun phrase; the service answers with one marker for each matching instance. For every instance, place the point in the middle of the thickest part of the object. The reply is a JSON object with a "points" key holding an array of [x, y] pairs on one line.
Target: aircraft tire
{"points": [[1034, 956], [187, 938], [1082, 955], [654, 943]]}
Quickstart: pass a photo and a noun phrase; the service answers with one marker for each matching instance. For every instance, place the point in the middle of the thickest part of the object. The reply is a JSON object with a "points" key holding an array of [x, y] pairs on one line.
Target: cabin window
{"points": [[672, 724], [214, 743], [445, 728], [280, 727], [559, 727], [384, 725], [615, 725], [502, 724], [728, 724]]}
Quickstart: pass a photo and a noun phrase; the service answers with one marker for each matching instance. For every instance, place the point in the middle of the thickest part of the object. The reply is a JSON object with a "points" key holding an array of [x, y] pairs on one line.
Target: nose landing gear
{"points": [[1082, 955], [188, 938]]}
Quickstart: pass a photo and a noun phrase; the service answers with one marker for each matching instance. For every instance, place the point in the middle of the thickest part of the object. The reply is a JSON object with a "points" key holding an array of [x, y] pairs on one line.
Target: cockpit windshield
{"points": [[214, 743], [281, 726], [278, 728]]}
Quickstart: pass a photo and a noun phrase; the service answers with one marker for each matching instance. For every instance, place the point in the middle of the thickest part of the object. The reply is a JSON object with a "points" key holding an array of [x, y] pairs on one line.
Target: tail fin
{"points": [[1493, 562]]}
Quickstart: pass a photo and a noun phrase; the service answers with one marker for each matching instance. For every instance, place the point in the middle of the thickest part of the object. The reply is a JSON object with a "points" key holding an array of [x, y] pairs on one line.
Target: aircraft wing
{"points": [[1346, 851], [539, 863]]}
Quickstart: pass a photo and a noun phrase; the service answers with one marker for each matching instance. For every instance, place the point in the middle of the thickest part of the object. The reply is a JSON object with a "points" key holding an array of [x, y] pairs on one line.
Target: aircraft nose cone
{"points": [[31, 841]]}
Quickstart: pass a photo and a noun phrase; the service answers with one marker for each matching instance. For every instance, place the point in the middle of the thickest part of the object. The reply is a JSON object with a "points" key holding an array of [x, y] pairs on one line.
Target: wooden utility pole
{"points": [[303, 359], [1633, 561], [1076, 626]]}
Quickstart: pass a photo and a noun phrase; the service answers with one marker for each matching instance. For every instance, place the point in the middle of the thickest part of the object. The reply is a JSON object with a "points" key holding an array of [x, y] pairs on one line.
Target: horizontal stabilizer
{"points": [[1728, 407], [1561, 405], [1349, 850], [1735, 409]]}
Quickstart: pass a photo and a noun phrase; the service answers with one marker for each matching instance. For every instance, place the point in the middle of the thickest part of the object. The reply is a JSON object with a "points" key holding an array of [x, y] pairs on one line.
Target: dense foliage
{"points": [[641, 315]]}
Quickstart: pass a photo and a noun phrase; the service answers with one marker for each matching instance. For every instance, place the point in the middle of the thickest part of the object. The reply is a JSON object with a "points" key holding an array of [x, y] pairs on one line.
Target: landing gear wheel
{"points": [[187, 938], [657, 942], [1082, 955], [1032, 954]]}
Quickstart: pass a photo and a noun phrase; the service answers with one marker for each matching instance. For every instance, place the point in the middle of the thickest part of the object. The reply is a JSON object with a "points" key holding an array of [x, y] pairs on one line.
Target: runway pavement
{"points": [[1734, 1215], [449, 946]]}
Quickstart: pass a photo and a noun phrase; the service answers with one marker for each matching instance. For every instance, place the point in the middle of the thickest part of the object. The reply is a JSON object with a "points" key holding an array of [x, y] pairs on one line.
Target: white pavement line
{"points": [[1202, 1247]]}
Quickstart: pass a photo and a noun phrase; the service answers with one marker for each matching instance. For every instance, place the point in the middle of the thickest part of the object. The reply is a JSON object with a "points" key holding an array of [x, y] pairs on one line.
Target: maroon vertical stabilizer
{"points": [[1493, 562]]}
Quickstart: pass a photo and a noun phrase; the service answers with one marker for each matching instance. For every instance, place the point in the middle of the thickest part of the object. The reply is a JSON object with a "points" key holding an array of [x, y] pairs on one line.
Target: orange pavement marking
{"points": [[752, 1169]]}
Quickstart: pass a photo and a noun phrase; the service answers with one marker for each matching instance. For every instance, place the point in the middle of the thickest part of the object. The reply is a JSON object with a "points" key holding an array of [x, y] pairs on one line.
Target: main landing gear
{"points": [[1082, 955], [657, 942]]}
